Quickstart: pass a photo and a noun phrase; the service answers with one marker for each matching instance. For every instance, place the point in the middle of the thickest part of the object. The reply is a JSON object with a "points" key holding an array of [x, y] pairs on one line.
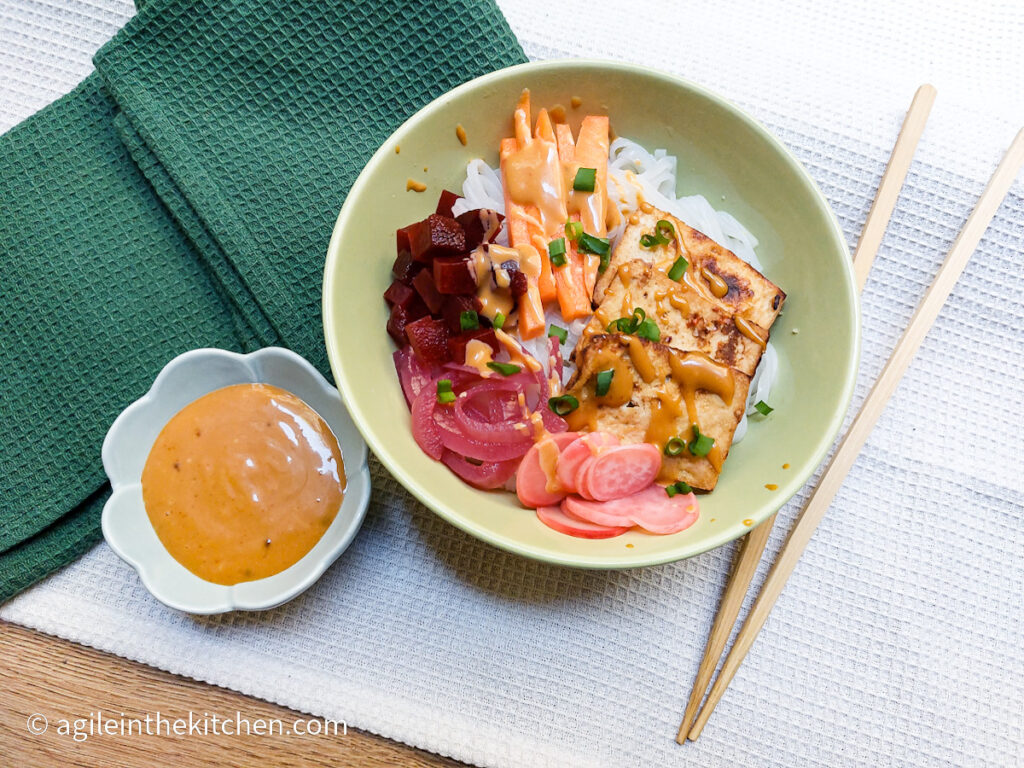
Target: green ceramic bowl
{"points": [[724, 155]]}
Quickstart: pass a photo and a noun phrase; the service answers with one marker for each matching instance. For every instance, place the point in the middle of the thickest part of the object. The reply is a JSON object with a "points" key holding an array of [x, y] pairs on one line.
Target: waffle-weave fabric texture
{"points": [[896, 642]]}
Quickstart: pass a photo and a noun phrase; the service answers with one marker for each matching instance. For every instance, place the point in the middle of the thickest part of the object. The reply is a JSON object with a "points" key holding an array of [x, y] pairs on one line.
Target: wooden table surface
{"points": [[44, 675]]}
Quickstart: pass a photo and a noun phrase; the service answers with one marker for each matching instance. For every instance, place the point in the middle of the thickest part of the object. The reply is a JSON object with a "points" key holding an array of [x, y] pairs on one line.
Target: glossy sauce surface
{"points": [[243, 482]]}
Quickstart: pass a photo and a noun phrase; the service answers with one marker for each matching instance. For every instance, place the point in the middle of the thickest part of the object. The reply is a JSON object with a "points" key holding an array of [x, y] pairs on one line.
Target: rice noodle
{"points": [[632, 169]]}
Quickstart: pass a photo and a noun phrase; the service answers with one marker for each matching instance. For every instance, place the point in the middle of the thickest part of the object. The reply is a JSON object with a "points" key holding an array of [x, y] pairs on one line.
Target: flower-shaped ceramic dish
{"points": [[126, 526], [724, 155]]}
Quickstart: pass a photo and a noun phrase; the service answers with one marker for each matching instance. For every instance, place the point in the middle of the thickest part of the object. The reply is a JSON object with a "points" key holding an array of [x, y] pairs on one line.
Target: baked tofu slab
{"points": [[717, 273], [650, 397], [687, 320]]}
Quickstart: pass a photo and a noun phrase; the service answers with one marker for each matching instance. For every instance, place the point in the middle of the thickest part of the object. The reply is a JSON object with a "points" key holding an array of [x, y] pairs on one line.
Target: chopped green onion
{"points": [[559, 333], [498, 321], [604, 382], [638, 324], [664, 233], [679, 487], [556, 250], [505, 369], [678, 269], [585, 180], [701, 445], [469, 320], [675, 446], [444, 391], [648, 329], [563, 405], [605, 260], [573, 229], [591, 244], [763, 408]]}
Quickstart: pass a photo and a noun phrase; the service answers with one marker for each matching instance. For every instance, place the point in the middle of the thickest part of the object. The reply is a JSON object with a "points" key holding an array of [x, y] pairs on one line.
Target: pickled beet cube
{"points": [[453, 308], [445, 203], [400, 294], [457, 344], [405, 268], [436, 236], [424, 285], [479, 225], [517, 283], [396, 325], [402, 239], [454, 275], [429, 340]]}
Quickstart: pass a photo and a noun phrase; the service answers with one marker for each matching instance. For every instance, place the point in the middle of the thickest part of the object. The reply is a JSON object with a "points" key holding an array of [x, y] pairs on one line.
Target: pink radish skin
{"points": [[578, 452], [610, 513], [531, 482], [651, 509], [556, 519], [619, 471], [655, 512]]}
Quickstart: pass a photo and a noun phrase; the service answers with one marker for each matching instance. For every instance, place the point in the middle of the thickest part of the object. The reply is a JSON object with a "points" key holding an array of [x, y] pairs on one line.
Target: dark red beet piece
{"points": [[400, 294], [445, 203], [429, 340], [457, 344], [454, 275], [396, 325], [479, 225], [402, 314], [453, 308], [517, 283], [436, 236], [402, 239], [405, 268], [424, 285]]}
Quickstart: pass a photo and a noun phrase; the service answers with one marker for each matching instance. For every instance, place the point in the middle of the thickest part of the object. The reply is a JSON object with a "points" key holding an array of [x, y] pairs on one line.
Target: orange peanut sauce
{"points": [[242, 483]]}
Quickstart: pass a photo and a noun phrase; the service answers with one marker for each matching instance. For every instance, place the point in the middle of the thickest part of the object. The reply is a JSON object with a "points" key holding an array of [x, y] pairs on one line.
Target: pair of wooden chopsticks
{"points": [[832, 479]]}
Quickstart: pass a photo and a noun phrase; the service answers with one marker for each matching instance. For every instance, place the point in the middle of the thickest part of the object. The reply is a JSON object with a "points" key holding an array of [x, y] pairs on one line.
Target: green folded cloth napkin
{"points": [[183, 196]]}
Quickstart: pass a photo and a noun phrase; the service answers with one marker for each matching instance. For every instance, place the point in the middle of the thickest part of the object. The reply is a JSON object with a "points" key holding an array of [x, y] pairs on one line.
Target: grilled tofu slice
{"points": [[657, 393], [714, 271], [687, 320]]}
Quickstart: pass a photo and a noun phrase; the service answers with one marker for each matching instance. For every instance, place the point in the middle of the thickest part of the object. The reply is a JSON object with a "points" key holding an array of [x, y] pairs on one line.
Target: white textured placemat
{"points": [[898, 639]]}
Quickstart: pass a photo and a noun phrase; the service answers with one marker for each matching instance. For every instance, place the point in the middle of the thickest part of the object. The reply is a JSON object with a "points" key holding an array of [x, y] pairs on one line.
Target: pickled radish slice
{"points": [[579, 451], [532, 482], [655, 512], [652, 509], [555, 518], [610, 513], [619, 471]]}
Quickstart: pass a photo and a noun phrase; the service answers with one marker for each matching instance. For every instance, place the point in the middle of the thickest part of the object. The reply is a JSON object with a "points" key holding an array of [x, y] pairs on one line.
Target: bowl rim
{"points": [[220, 598], [436, 505]]}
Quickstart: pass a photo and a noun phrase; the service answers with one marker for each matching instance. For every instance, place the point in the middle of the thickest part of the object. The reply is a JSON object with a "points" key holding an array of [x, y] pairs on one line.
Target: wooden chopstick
{"points": [[874, 405], [746, 564], [892, 182], [863, 257]]}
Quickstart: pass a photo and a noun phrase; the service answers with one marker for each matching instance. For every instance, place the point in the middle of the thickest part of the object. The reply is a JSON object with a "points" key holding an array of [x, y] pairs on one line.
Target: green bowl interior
{"points": [[723, 155]]}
